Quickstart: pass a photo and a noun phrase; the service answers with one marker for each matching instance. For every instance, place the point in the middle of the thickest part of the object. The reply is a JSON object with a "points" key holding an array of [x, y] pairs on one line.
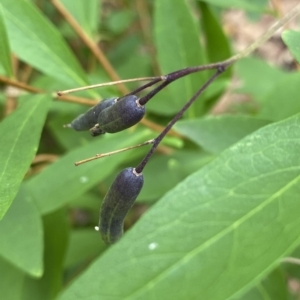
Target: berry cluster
{"points": [[114, 115]]}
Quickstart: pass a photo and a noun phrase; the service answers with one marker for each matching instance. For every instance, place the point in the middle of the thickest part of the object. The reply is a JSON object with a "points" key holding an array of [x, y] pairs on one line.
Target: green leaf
{"points": [[230, 222], [5, 56], [217, 43], [258, 5], [20, 133], [11, 284], [218, 49], [62, 181], [66, 138], [21, 235], [56, 228], [127, 55], [290, 266], [283, 100], [178, 46], [258, 77], [272, 287], [84, 245], [36, 41], [175, 167], [292, 39], [86, 13], [215, 134], [119, 21]]}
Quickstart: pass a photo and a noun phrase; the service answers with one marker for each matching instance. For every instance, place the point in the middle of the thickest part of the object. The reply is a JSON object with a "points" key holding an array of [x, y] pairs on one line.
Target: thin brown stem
{"points": [[97, 52], [142, 9], [93, 86], [20, 85], [34, 90], [97, 156]]}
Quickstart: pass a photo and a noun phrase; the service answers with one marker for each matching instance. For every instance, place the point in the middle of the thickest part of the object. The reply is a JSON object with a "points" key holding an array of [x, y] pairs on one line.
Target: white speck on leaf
{"points": [[83, 179], [153, 246]]}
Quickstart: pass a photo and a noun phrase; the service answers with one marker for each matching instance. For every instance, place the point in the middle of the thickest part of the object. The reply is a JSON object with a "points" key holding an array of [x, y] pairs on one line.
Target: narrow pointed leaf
{"points": [[217, 43], [5, 56], [36, 41], [217, 234], [178, 46], [20, 133]]}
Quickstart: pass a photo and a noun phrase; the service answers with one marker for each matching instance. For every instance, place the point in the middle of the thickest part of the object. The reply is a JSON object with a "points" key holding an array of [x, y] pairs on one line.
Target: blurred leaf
{"points": [[62, 181], [178, 46], [283, 100], [5, 56], [120, 21], [163, 172], [84, 246], [230, 222], [56, 228], [11, 283], [272, 287], [291, 268], [129, 58], [218, 49], [87, 201], [21, 235], [67, 138], [292, 39], [20, 133], [36, 41], [215, 134], [258, 77], [258, 5], [217, 43], [86, 13]]}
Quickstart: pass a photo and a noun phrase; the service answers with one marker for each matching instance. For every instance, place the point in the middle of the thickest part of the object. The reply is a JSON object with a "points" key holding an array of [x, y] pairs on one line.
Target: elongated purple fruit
{"points": [[125, 113], [117, 202], [89, 119]]}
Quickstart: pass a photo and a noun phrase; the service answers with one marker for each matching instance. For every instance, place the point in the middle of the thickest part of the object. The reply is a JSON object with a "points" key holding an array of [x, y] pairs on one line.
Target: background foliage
{"points": [[220, 206]]}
